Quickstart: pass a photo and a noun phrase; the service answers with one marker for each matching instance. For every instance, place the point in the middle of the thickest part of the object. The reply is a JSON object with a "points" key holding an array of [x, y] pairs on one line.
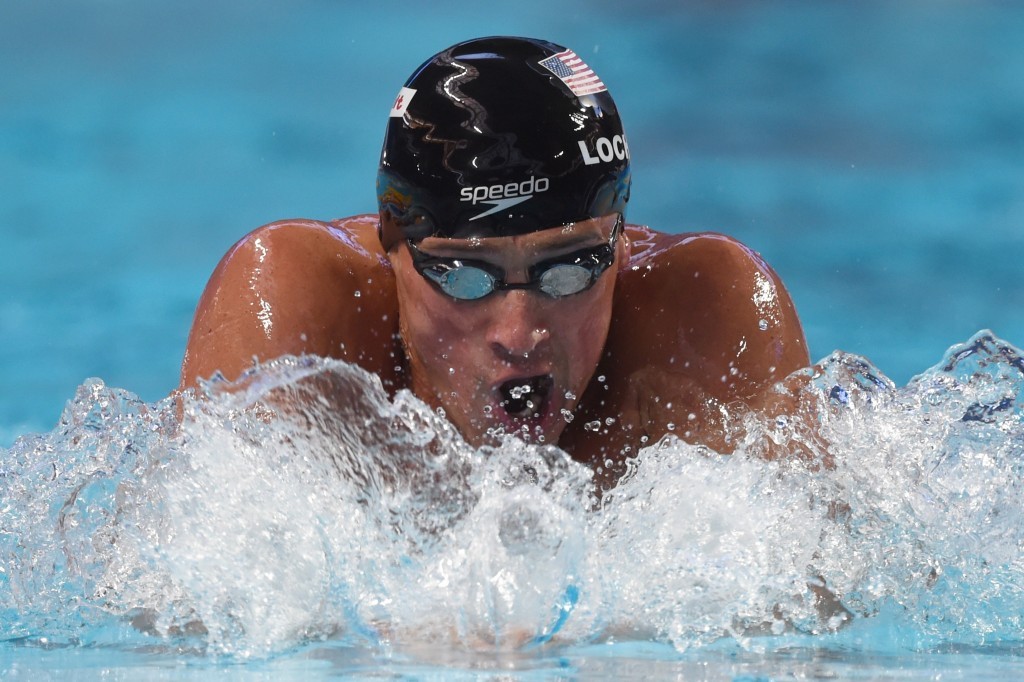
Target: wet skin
{"points": [[678, 325], [463, 355]]}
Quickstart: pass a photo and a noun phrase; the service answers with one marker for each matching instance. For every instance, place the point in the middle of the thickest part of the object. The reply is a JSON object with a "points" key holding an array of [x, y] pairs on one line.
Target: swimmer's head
{"points": [[499, 137]]}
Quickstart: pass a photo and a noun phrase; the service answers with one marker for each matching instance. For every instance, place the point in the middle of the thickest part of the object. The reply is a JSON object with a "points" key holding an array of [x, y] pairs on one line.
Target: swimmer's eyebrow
{"points": [[559, 245]]}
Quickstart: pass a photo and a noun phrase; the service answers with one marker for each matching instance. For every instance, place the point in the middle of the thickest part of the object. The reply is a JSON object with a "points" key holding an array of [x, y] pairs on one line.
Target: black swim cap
{"points": [[497, 137]]}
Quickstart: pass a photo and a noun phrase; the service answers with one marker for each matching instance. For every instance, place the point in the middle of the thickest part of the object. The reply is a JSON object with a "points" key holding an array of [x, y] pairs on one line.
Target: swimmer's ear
{"points": [[384, 242], [391, 252], [624, 247], [396, 260]]}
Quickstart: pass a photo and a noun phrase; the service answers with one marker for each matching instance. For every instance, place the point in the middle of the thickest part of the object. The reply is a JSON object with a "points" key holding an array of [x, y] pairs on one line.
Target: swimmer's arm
{"points": [[741, 327], [741, 338], [296, 287], [749, 338], [700, 322]]}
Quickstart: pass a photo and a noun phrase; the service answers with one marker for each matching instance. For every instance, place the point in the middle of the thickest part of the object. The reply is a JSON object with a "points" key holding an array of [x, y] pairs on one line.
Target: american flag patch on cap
{"points": [[574, 72]]}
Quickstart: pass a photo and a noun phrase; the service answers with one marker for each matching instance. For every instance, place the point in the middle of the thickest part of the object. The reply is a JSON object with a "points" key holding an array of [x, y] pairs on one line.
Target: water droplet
{"points": [[567, 416], [592, 426], [691, 416], [762, 325], [609, 421], [569, 395], [601, 378], [451, 371], [357, 293], [670, 426]]}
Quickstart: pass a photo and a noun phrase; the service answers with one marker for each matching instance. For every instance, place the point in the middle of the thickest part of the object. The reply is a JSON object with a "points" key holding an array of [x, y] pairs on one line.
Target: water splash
{"points": [[303, 504]]}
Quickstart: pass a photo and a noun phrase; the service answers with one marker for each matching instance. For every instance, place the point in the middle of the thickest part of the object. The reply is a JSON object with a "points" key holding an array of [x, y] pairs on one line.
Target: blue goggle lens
{"points": [[466, 282], [564, 276]]}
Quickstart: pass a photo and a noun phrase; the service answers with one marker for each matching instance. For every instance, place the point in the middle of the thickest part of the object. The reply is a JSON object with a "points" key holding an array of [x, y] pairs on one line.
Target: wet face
{"points": [[517, 360]]}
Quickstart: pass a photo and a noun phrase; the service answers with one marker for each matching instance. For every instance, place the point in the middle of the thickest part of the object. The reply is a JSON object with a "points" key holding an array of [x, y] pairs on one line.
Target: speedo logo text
{"points": [[503, 195]]}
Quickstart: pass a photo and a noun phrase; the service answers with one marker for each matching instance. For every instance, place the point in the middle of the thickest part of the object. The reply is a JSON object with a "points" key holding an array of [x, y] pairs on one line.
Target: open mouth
{"points": [[525, 398]]}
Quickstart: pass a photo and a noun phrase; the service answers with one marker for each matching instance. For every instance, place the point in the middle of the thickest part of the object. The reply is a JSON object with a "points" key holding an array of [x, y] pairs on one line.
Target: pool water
{"points": [[870, 151], [361, 535]]}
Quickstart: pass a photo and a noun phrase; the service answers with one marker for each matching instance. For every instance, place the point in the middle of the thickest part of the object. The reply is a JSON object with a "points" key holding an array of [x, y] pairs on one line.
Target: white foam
{"points": [[304, 504]]}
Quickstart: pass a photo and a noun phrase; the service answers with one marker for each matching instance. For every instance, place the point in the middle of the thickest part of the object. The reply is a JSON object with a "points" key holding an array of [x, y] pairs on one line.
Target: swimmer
{"points": [[499, 280]]}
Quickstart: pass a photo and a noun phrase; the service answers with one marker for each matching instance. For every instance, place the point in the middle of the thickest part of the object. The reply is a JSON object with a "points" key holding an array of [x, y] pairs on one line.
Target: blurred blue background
{"points": [[873, 152]]}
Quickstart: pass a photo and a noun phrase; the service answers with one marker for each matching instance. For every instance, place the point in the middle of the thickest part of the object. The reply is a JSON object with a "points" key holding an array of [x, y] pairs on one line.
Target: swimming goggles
{"points": [[565, 275]]}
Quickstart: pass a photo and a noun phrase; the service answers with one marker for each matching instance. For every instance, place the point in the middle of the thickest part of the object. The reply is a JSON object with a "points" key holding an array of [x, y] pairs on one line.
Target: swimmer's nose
{"points": [[517, 331]]}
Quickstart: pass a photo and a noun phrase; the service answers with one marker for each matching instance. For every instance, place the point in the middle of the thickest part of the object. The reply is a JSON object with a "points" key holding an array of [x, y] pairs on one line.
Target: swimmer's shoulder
{"points": [[687, 250], [699, 320], [297, 287], [344, 242], [712, 301]]}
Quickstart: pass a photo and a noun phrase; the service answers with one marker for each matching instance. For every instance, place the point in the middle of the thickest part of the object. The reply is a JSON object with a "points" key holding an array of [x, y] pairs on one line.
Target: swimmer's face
{"points": [[516, 360]]}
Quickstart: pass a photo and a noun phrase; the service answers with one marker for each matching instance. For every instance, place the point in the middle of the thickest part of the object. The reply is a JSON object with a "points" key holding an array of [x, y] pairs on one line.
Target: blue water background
{"points": [[871, 151]]}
